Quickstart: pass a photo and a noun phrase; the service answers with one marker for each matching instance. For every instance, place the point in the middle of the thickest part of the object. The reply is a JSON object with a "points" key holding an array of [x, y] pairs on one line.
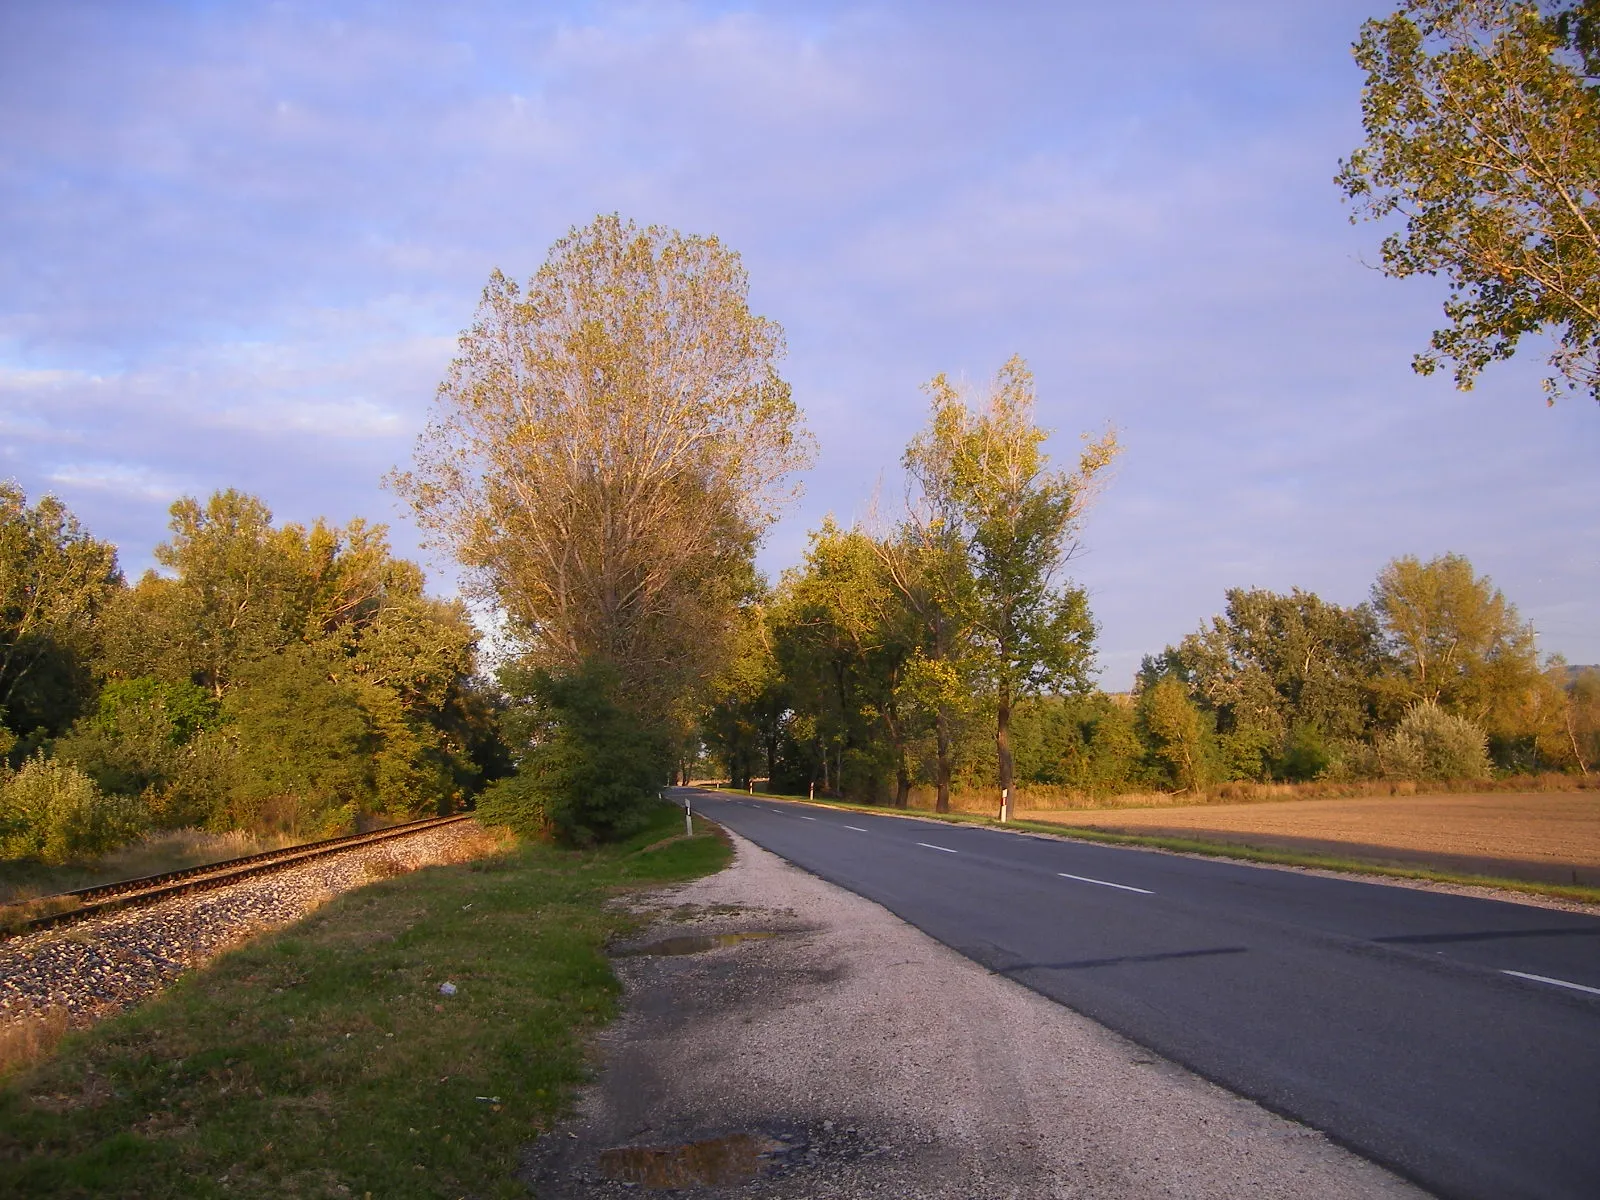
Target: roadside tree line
{"points": [[843, 686]]}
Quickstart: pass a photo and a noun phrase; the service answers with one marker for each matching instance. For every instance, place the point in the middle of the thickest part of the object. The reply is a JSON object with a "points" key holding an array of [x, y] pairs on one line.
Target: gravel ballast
{"points": [[105, 963], [850, 1055]]}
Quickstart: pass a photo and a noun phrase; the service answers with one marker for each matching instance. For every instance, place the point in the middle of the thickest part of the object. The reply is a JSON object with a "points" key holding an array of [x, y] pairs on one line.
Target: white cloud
{"points": [[24, 379], [133, 481], [335, 418]]}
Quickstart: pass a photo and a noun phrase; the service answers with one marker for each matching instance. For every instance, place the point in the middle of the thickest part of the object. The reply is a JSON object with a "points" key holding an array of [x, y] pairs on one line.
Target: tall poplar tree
{"points": [[608, 448]]}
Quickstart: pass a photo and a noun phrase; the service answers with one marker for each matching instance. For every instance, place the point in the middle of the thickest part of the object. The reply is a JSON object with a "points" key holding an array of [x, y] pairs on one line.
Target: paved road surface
{"points": [[1453, 1039]]}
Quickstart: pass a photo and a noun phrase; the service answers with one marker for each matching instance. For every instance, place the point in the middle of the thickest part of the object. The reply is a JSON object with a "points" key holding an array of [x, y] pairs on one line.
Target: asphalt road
{"points": [[1454, 1040]]}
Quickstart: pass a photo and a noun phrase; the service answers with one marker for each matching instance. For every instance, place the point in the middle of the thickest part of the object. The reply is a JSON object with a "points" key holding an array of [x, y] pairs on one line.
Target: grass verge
{"points": [[324, 1061], [1274, 856]]}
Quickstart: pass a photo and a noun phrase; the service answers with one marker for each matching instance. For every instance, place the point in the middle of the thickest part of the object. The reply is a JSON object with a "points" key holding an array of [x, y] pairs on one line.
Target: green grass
{"points": [[322, 1060], [1214, 849]]}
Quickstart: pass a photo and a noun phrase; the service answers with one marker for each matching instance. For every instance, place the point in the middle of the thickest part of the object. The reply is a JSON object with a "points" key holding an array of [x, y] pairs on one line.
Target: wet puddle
{"points": [[710, 1162], [697, 943]]}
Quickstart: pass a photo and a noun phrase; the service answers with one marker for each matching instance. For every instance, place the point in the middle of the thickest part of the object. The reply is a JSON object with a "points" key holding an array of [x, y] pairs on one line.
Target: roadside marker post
{"points": [[1005, 805], [688, 816]]}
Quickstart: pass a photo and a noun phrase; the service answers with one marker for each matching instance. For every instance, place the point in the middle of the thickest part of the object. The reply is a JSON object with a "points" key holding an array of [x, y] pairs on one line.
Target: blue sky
{"points": [[237, 242]]}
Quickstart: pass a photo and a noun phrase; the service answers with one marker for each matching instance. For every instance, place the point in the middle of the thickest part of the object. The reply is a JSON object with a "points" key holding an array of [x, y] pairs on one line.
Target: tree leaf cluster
{"points": [[1482, 122]]}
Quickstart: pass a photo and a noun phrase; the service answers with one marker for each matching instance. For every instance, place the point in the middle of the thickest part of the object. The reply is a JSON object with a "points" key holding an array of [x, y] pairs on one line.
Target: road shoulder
{"points": [[850, 1055]]}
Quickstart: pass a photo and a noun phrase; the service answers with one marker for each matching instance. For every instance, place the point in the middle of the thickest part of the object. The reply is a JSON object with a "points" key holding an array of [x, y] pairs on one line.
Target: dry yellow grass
{"points": [[1542, 836], [30, 1038]]}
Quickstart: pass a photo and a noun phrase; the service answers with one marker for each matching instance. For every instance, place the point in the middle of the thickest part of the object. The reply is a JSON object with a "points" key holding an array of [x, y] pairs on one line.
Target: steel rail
{"points": [[129, 893]]}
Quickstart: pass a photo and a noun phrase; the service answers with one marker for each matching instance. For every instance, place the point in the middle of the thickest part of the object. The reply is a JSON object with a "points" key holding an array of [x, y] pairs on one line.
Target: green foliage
{"points": [[1454, 640], [282, 678], [1483, 133], [1430, 743], [134, 740], [55, 579], [201, 790], [1270, 663], [52, 811], [306, 746], [1090, 743], [1305, 754], [592, 770], [1180, 734], [845, 648], [1247, 751]]}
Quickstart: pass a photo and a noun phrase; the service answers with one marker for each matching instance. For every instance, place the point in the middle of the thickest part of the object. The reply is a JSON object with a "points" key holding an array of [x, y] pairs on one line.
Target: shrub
{"points": [[517, 804], [1305, 754], [1349, 760], [1432, 744], [594, 767], [52, 811]]}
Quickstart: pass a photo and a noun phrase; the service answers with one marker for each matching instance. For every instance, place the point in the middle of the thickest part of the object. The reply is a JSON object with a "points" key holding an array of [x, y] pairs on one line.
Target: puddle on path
{"points": [[696, 943], [710, 1162]]}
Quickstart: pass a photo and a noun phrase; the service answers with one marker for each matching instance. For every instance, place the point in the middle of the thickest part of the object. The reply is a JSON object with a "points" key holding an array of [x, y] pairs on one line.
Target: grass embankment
{"points": [[323, 1060], [1276, 856]]}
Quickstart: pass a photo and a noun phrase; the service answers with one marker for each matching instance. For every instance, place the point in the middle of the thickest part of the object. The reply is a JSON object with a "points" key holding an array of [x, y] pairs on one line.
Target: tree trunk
{"points": [[942, 769], [1572, 736], [1002, 743], [902, 773]]}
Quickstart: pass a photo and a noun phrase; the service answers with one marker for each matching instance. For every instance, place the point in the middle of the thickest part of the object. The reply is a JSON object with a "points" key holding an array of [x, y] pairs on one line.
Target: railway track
{"points": [[128, 893]]}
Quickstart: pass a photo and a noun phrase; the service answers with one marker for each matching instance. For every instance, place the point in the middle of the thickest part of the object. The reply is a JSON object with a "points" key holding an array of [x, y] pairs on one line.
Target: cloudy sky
{"points": [[237, 242]]}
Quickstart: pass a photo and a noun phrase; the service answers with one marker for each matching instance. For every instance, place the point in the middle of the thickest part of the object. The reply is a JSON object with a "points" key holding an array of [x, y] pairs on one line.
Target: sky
{"points": [[238, 242]]}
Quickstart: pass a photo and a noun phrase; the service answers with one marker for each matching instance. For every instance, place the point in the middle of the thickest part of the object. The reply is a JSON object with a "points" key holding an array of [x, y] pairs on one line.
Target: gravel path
{"points": [[104, 964], [849, 1055]]}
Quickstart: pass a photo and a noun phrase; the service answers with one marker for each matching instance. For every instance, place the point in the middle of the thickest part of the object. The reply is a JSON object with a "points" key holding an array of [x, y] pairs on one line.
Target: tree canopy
{"points": [[608, 447], [1482, 123]]}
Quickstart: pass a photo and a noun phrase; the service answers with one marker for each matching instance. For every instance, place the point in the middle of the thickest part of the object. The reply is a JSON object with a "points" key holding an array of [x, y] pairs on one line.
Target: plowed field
{"points": [[1551, 837]]}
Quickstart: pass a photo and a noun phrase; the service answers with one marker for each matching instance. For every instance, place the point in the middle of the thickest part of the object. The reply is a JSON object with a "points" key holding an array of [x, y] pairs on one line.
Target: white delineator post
{"points": [[813, 789], [688, 816], [1005, 804]]}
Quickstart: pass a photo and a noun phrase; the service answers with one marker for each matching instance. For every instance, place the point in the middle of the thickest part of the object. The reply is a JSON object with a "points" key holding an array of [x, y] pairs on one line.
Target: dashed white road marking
{"points": [[1106, 883], [803, 817], [1577, 987], [857, 828], [931, 846]]}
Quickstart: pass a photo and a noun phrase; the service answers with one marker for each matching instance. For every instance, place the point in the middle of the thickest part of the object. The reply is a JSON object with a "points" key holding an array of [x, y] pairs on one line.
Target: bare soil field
{"points": [[1547, 837]]}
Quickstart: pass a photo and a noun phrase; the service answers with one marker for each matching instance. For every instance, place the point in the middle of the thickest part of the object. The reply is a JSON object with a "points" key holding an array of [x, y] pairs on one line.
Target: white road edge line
{"points": [[857, 828], [1577, 987], [1106, 883], [931, 846]]}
